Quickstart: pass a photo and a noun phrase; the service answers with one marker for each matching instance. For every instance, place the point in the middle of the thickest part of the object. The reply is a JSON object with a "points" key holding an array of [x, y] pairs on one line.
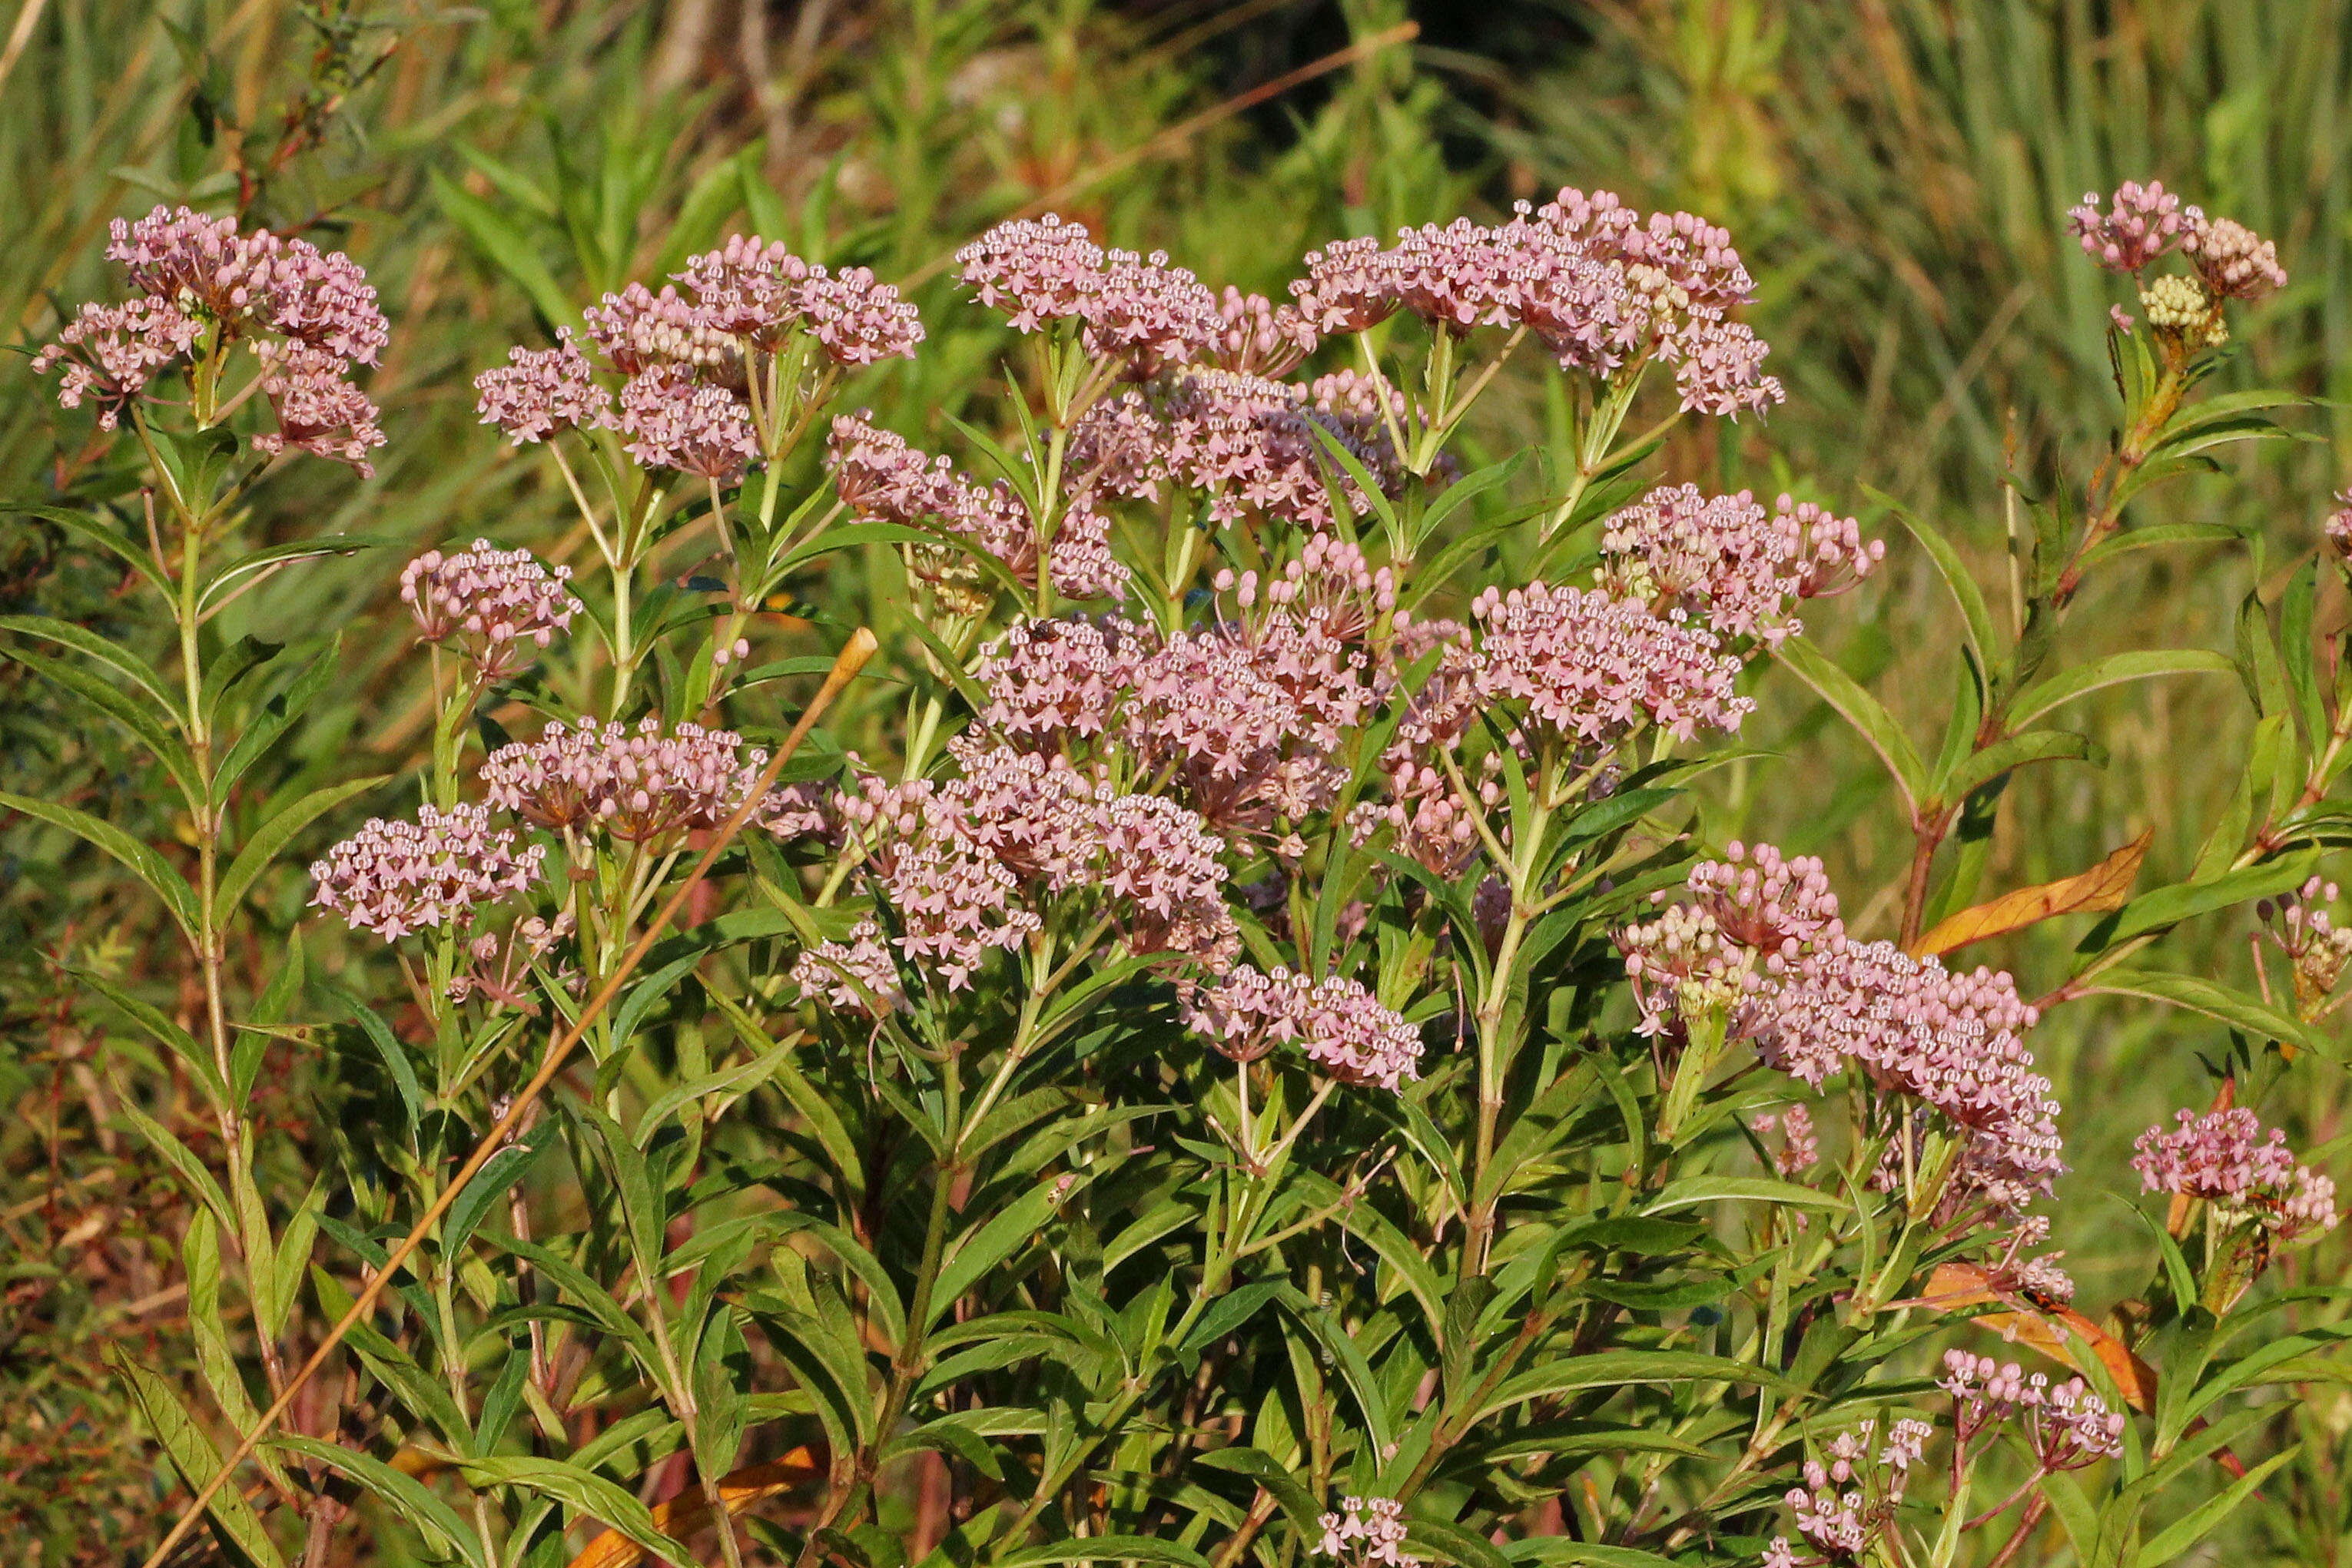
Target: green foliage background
{"points": [[1895, 171]]}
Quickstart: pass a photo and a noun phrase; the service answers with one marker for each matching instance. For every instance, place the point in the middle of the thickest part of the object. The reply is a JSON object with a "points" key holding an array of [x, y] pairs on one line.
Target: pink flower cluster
{"points": [[758, 291], [641, 786], [2144, 223], [1366, 1532], [1762, 940], [1725, 561], [1594, 668], [311, 315], [884, 479], [2224, 1159], [965, 864], [499, 966], [858, 976], [542, 391], [2067, 1427], [396, 877], [494, 601], [673, 421], [1841, 1524], [1135, 310], [1248, 720], [1342, 1027], [1800, 1148], [1594, 282]]}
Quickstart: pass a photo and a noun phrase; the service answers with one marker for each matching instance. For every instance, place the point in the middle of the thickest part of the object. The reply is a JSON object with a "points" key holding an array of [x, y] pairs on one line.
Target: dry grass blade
{"points": [[688, 1511], [2103, 887], [851, 659]]}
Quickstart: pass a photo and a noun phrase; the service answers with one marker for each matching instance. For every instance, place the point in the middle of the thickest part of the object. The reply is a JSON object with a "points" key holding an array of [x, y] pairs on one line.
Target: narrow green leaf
{"points": [[89, 530], [505, 246], [179, 898], [1974, 616], [2017, 751], [1868, 716], [584, 1493], [2194, 1526], [64, 633], [1609, 1368], [156, 734], [254, 856], [194, 1456], [2215, 1000], [2114, 670], [410, 1497], [1106, 1549]]}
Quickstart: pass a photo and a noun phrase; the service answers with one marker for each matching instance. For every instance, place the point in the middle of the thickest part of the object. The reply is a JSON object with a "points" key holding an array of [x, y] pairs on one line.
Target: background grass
{"points": [[1896, 172]]}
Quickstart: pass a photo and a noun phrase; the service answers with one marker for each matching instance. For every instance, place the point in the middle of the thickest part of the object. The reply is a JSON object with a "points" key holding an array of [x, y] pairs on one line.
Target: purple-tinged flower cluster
{"points": [[1726, 561], [858, 976], [499, 967], [2224, 1158], [2233, 261], [539, 392], [494, 601], [966, 865], [1366, 1532], [673, 421], [1800, 1148], [1595, 284], [1760, 939], [1594, 668], [396, 877], [759, 292], [640, 786], [311, 316], [1341, 1026], [2066, 1426], [1851, 1498], [2144, 223], [1258, 336], [1137, 309], [884, 479]]}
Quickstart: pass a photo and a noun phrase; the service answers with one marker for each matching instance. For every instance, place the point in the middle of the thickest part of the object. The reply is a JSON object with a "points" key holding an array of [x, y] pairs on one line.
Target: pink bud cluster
{"points": [[1598, 286], [1841, 1524], [1258, 338], [1727, 562], [2224, 1158], [1594, 668], [882, 478], [1761, 940], [2144, 223], [1800, 1148], [542, 391], [640, 786], [1256, 446], [2338, 527], [493, 601], [1135, 310], [1247, 719], [2067, 1427], [1342, 1027], [966, 865], [311, 315], [1366, 1532], [758, 291], [397, 877]]}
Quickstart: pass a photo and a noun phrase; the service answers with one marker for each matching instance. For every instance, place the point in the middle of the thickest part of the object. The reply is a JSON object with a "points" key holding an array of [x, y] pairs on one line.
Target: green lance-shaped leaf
{"points": [[1865, 712], [411, 1498], [271, 838], [144, 862], [584, 1493], [194, 1455]]}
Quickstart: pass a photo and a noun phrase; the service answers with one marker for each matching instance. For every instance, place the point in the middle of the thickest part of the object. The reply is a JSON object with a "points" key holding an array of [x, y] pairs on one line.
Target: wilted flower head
{"points": [[494, 601], [2225, 1159], [396, 877], [638, 784], [542, 391]]}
